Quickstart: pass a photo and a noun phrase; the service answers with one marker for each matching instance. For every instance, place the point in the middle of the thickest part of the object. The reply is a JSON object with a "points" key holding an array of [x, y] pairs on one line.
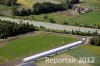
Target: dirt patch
{"points": [[6, 12], [69, 13], [41, 1]]}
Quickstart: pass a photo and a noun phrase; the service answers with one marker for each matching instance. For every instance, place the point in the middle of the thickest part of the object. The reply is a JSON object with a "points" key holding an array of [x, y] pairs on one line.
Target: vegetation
{"points": [[45, 7], [87, 51], [12, 28], [73, 32], [78, 32], [95, 41], [33, 44], [8, 2], [26, 3], [23, 12], [83, 51]]}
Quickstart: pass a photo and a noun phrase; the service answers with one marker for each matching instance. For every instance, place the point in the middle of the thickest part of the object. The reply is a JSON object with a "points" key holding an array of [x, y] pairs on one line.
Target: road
{"points": [[51, 25]]}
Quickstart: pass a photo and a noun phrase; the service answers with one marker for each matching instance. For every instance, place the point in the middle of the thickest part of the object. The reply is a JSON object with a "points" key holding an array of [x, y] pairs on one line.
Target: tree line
{"points": [[45, 7], [8, 2], [97, 26], [11, 29]]}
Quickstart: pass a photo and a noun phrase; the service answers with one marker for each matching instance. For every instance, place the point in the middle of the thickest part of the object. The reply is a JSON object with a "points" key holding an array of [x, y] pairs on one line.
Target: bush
{"points": [[95, 41], [52, 20]]}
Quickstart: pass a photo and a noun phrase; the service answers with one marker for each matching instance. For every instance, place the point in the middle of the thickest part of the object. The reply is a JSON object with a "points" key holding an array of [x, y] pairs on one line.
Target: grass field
{"points": [[2, 8], [87, 51], [93, 3], [31, 45], [61, 56], [90, 18], [83, 51], [26, 3], [29, 3]]}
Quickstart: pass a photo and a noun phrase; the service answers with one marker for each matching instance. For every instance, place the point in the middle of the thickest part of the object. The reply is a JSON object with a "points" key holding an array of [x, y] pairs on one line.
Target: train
{"points": [[54, 51]]}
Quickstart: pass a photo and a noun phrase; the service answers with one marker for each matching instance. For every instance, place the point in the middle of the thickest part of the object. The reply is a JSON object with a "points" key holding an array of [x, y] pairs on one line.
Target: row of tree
{"points": [[97, 26], [8, 2], [45, 7], [11, 29], [95, 41], [78, 32]]}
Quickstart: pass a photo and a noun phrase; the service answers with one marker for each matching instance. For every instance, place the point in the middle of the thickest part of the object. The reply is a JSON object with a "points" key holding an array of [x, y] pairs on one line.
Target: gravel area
{"points": [[51, 25]]}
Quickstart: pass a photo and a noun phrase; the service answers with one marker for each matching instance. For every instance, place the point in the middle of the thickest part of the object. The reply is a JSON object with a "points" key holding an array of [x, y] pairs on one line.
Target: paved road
{"points": [[51, 25]]}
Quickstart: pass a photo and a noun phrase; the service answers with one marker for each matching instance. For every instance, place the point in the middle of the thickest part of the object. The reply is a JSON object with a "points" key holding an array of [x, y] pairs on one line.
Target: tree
{"points": [[45, 16], [8, 2], [15, 11], [46, 7], [51, 20]]}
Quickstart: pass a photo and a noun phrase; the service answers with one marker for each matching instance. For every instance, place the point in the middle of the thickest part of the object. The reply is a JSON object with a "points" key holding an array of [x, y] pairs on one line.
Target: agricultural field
{"points": [[26, 3], [29, 3], [30, 45], [83, 51]]}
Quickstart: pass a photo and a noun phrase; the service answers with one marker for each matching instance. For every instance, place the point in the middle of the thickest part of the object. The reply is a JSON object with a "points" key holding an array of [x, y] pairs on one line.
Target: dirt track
{"points": [[53, 1]]}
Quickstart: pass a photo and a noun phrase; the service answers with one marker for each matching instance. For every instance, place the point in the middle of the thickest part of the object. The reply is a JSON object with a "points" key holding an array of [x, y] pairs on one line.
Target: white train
{"points": [[54, 51]]}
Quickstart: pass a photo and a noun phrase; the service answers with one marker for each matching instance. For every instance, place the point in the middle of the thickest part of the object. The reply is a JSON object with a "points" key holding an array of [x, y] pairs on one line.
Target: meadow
{"points": [[90, 18], [87, 51], [30, 45]]}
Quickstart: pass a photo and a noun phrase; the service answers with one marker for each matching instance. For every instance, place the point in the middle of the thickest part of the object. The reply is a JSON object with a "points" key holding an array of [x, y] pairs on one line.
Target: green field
{"points": [[90, 18], [83, 51], [2, 7], [87, 51], [30, 45]]}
